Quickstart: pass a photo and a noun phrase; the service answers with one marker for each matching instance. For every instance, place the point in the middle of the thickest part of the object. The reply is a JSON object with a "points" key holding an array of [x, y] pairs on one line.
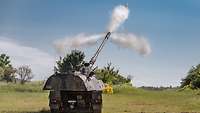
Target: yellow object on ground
{"points": [[108, 89]]}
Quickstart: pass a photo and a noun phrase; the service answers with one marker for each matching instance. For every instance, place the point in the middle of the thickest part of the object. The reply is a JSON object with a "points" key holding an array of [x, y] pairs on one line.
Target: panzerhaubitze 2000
{"points": [[76, 91]]}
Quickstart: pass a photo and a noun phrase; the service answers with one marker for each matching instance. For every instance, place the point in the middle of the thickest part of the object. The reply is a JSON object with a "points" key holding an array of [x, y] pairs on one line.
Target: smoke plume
{"points": [[119, 15], [128, 40], [77, 41], [131, 41]]}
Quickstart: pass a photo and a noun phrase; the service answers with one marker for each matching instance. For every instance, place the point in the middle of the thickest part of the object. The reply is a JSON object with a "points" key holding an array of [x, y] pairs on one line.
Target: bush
{"points": [[192, 80], [110, 75]]}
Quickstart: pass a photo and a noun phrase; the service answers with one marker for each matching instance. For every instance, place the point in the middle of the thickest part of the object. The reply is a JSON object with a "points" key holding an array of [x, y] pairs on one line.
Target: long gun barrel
{"points": [[94, 58]]}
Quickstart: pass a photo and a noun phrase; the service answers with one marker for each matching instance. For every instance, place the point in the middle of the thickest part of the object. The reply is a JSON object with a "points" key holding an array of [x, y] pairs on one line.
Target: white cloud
{"points": [[41, 62]]}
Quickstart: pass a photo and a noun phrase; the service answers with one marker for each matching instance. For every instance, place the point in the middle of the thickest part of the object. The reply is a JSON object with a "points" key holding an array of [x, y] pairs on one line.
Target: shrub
{"points": [[110, 75]]}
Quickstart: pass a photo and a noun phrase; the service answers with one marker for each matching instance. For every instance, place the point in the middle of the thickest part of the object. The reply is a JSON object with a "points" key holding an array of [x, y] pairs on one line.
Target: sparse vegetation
{"points": [[25, 74]]}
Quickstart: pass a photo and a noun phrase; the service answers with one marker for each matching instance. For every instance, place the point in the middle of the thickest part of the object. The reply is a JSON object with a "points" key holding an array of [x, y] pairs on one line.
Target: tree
{"points": [[6, 69], [9, 74], [72, 61], [4, 61], [111, 75], [25, 74], [192, 80], [1, 73]]}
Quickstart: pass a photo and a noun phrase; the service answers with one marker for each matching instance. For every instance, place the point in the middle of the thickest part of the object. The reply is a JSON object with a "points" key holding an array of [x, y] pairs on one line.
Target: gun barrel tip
{"points": [[108, 33]]}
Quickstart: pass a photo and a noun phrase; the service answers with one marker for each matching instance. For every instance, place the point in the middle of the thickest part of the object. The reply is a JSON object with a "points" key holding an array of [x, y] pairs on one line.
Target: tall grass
{"points": [[28, 87]]}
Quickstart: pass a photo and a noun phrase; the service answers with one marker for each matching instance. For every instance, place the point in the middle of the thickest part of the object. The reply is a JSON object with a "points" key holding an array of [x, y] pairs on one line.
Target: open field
{"points": [[30, 98]]}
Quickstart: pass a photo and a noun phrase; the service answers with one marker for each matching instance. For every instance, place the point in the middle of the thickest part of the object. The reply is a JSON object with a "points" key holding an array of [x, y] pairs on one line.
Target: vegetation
{"points": [[31, 87], [73, 60], [6, 69], [30, 98], [25, 98], [8, 73], [4, 61], [25, 74], [111, 75], [160, 88], [18, 98], [192, 80]]}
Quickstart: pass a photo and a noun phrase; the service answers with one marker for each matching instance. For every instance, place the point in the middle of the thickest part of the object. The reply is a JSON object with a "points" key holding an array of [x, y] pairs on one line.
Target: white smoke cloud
{"points": [[128, 40], [131, 41], [77, 41], [41, 62], [119, 15]]}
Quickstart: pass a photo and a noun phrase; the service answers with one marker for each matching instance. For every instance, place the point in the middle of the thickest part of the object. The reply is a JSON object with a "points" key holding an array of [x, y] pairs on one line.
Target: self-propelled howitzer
{"points": [[76, 91]]}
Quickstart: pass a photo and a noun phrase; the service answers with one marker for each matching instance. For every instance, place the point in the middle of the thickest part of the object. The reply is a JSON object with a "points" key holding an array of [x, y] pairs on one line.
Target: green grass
{"points": [[139, 100], [30, 98], [29, 87], [18, 98]]}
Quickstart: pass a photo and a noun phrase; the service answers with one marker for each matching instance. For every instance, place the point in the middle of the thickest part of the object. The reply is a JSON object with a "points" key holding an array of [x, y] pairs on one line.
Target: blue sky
{"points": [[172, 27]]}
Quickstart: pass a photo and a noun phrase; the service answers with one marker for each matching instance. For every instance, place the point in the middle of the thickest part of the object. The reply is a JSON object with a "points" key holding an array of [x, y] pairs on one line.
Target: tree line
{"points": [[109, 74], [75, 61], [9, 73]]}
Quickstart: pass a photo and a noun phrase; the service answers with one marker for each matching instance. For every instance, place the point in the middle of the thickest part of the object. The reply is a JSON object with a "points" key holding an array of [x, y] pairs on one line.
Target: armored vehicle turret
{"points": [[76, 91]]}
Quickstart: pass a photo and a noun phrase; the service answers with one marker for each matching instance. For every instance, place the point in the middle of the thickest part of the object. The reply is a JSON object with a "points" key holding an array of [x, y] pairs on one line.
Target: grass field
{"points": [[30, 98]]}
